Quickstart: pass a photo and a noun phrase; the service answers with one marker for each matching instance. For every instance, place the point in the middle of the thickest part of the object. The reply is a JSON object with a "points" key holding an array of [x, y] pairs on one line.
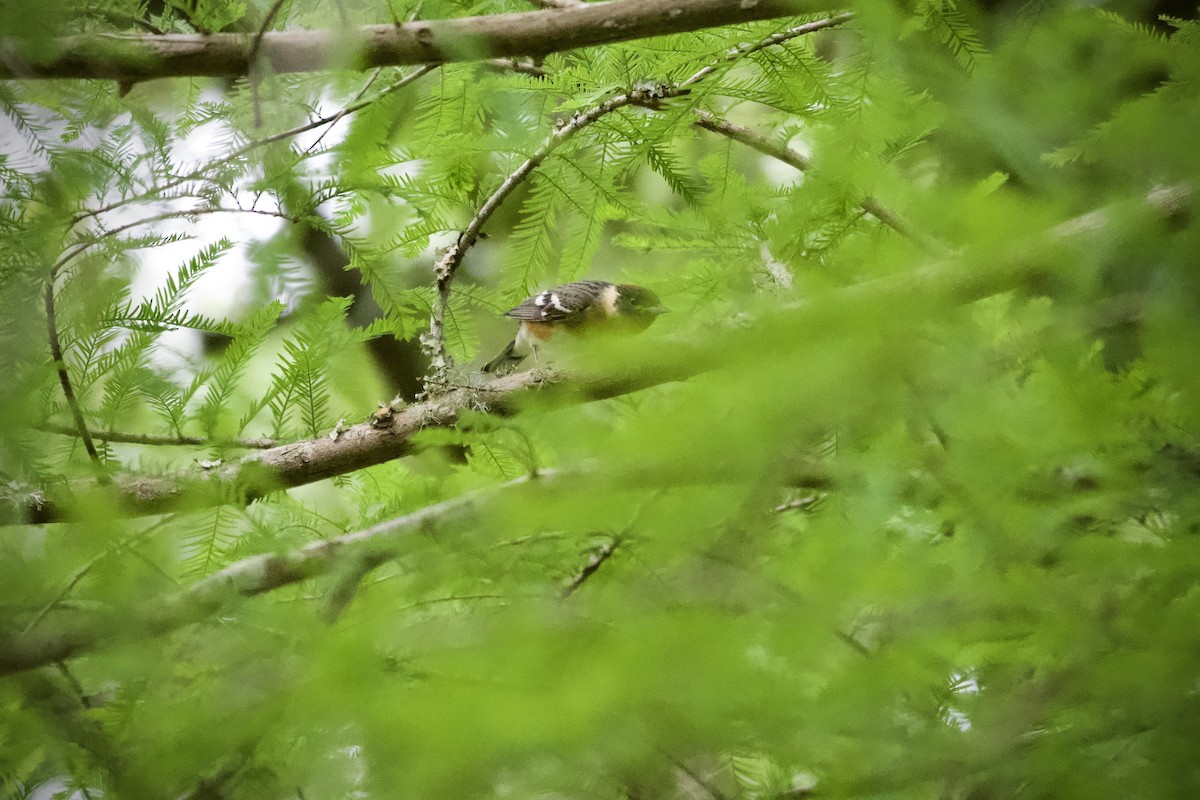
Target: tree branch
{"points": [[197, 173], [129, 58], [164, 441], [250, 576], [449, 263], [358, 447], [64, 379], [594, 562]]}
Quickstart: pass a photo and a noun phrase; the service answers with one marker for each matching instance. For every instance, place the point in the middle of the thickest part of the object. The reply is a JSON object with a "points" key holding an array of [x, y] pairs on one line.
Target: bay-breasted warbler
{"points": [[576, 307]]}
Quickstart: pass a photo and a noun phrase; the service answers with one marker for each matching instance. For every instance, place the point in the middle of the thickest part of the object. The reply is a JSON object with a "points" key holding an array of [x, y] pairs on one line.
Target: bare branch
{"points": [[358, 447], [183, 213], [267, 22], [197, 173], [129, 58], [163, 441]]}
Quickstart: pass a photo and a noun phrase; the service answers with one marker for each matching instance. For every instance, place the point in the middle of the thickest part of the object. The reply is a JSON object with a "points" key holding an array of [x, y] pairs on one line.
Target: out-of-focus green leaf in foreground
{"points": [[924, 522]]}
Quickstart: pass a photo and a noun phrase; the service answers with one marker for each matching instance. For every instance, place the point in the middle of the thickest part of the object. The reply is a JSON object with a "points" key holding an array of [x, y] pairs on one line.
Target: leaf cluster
{"points": [[922, 521]]}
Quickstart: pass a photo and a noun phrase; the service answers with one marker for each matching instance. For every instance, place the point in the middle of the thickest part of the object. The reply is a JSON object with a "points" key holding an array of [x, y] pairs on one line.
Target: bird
{"points": [[576, 307]]}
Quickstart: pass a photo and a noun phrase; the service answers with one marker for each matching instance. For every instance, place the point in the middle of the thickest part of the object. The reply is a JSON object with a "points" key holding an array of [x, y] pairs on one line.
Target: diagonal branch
{"points": [[788, 156], [197, 173], [449, 263], [254, 575], [129, 58], [64, 379], [594, 562]]}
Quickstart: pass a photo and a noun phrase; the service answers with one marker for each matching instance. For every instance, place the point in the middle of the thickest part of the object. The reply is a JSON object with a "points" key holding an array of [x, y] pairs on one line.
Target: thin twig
{"points": [[338, 116], [199, 172], [741, 51], [594, 562], [159, 440], [56, 352], [82, 572], [254, 68], [64, 379], [513, 65], [869, 204], [800, 503], [185, 213], [268, 21]]}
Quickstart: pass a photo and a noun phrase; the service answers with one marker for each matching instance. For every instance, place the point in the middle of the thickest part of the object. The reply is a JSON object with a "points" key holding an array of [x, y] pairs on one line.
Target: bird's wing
{"points": [[561, 304]]}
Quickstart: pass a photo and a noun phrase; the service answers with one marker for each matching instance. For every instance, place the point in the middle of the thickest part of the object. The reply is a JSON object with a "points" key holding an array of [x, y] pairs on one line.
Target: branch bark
{"points": [[358, 447], [129, 58]]}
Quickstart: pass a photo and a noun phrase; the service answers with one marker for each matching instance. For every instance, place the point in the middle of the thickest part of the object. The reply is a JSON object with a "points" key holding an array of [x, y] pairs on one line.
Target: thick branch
{"points": [[138, 57], [358, 447]]}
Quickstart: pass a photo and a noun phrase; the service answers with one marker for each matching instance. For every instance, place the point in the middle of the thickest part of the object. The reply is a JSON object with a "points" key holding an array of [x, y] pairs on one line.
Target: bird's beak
{"points": [[657, 310]]}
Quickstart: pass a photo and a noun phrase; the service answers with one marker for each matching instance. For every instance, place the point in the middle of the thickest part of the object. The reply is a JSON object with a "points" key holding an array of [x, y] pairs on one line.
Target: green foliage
{"points": [[921, 520], [300, 384]]}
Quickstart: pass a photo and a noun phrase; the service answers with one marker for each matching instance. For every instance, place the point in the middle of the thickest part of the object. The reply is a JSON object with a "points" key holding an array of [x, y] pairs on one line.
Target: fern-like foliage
{"points": [[300, 386], [898, 500], [220, 382], [946, 22]]}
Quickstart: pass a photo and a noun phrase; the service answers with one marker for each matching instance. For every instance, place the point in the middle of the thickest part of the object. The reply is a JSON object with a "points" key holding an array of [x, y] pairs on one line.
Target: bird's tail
{"points": [[507, 358]]}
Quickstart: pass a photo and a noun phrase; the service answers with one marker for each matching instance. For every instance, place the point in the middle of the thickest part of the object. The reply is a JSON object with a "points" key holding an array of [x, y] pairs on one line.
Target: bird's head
{"points": [[638, 304]]}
